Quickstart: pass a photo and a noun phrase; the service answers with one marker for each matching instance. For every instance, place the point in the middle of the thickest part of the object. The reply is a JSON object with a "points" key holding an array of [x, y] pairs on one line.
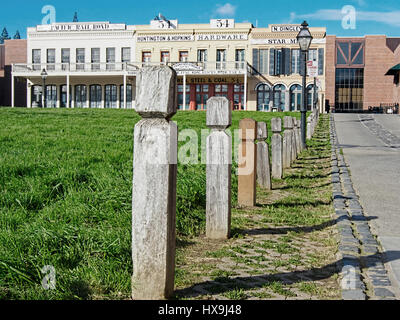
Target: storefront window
{"points": [[111, 96], [128, 96], [51, 96], [63, 102], [95, 96], [311, 96], [180, 97], [263, 97], [36, 96], [80, 96], [238, 97], [349, 89], [202, 96], [279, 97], [295, 97]]}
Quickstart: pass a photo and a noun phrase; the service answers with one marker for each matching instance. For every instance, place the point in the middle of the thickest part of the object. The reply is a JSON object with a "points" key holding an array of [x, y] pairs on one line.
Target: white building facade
{"points": [[94, 64], [87, 65]]}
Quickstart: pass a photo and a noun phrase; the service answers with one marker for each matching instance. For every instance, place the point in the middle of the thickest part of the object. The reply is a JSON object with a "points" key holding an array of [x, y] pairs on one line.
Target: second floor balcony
{"points": [[130, 68]]}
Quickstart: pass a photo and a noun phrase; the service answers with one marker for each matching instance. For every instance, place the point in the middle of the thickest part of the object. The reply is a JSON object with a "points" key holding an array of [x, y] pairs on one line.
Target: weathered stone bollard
{"points": [[247, 184], [309, 134], [154, 185], [277, 148], [219, 169], [294, 144], [297, 131], [287, 142], [263, 159]]}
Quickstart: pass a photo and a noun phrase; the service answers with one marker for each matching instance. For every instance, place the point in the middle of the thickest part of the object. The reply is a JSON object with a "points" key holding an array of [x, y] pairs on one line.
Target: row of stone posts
{"points": [[312, 122], [155, 175]]}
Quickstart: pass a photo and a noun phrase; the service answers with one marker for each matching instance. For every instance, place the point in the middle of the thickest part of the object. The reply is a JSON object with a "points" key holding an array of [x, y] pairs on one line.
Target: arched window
{"points": [[80, 96], [263, 97], [128, 96], [95, 96], [51, 96], [36, 96], [111, 97], [63, 100], [295, 97], [310, 96], [279, 97]]}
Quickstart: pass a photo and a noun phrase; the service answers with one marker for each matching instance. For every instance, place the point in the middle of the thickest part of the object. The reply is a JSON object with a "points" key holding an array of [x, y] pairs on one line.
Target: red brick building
{"points": [[357, 72], [13, 51]]}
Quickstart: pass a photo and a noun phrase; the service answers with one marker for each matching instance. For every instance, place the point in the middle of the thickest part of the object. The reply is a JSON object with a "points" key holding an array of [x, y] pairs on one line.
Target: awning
{"points": [[394, 70]]}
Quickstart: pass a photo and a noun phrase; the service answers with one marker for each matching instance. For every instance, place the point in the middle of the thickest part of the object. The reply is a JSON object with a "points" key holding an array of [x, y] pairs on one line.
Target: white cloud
{"points": [[390, 18], [227, 10]]}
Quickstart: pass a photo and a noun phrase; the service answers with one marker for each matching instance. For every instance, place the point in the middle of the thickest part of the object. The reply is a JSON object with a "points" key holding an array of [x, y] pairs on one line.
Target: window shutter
{"points": [[256, 61], [321, 61], [286, 59], [272, 62]]}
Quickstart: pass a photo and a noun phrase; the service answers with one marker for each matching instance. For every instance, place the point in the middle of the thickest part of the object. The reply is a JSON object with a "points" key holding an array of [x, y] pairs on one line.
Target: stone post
{"points": [[294, 144], [154, 185], [219, 169], [247, 184], [287, 142], [297, 132], [276, 148], [309, 134], [263, 160]]}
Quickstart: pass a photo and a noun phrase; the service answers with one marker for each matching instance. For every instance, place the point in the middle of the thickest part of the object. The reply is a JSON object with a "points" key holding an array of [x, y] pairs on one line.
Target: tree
{"points": [[75, 17], [17, 35], [4, 36]]}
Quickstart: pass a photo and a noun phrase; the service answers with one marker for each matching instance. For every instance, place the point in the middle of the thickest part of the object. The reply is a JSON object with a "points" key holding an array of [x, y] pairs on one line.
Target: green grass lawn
{"points": [[65, 199]]}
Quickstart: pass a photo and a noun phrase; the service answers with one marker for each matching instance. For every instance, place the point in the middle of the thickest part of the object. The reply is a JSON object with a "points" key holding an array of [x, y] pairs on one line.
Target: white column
{"points": [[125, 93], [245, 92], [87, 97], [73, 97], [12, 91], [67, 106], [28, 94], [58, 96], [184, 91], [103, 102]]}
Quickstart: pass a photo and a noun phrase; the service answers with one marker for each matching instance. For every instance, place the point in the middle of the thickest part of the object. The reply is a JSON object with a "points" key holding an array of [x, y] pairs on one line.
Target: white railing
{"points": [[72, 67], [209, 67]]}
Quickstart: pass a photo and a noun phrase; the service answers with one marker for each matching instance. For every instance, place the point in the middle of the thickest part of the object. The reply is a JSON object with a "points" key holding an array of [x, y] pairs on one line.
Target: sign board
{"points": [[285, 28], [221, 37], [312, 69], [92, 26], [274, 41], [222, 23], [166, 38]]}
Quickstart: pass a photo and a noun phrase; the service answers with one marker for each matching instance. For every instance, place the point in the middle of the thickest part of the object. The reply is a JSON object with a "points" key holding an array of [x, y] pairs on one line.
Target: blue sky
{"points": [[372, 17]]}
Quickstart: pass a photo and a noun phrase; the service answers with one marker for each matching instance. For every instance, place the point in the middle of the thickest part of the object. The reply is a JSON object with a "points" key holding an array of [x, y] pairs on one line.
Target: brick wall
{"points": [[15, 52], [330, 70], [378, 88]]}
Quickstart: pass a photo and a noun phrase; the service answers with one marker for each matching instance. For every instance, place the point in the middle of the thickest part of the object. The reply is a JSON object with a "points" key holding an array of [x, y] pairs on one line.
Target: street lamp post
{"points": [[304, 39], [44, 77]]}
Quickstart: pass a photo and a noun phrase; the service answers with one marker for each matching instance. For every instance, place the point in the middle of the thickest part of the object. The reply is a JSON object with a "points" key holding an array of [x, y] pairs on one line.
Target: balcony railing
{"points": [[73, 67], [209, 67]]}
